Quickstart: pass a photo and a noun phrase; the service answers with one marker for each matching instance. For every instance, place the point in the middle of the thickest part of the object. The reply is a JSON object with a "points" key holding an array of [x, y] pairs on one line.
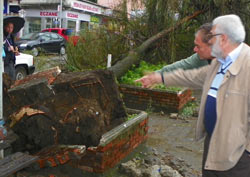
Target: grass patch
{"points": [[44, 62], [143, 69], [190, 109]]}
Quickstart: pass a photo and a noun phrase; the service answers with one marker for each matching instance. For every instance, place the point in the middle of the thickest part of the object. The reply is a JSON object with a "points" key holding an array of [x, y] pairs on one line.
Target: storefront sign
{"points": [[72, 15], [95, 19], [48, 14], [54, 14], [86, 7], [41, 13]]}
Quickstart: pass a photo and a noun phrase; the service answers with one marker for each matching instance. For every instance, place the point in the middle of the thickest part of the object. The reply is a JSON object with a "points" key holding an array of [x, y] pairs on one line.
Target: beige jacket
{"points": [[231, 135]]}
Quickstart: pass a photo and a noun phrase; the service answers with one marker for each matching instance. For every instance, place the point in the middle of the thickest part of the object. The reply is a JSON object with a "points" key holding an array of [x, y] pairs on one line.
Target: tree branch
{"points": [[121, 67]]}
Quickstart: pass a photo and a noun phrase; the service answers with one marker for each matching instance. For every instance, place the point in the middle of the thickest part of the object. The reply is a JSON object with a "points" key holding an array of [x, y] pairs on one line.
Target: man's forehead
{"points": [[213, 28], [197, 38]]}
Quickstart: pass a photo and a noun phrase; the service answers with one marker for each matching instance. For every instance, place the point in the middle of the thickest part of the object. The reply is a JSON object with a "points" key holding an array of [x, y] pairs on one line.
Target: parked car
{"points": [[67, 33], [24, 65], [64, 32], [42, 41]]}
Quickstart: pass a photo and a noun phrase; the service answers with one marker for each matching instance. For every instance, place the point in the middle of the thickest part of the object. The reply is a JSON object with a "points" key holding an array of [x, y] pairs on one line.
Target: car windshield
{"points": [[30, 36]]}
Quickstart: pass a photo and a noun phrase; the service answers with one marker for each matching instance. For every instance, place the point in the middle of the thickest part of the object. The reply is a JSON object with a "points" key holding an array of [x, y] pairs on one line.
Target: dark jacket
{"points": [[10, 56]]}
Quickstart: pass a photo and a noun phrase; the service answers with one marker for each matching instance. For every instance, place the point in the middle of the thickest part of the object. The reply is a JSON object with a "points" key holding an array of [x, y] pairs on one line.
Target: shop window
{"points": [[34, 25], [55, 23], [48, 22], [71, 24], [84, 25]]}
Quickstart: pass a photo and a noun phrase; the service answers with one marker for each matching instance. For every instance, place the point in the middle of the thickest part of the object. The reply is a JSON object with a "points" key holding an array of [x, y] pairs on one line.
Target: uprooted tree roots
{"points": [[62, 108]]}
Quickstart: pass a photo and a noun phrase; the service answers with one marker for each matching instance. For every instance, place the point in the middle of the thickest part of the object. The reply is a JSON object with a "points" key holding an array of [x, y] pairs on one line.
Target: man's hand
{"points": [[150, 80]]}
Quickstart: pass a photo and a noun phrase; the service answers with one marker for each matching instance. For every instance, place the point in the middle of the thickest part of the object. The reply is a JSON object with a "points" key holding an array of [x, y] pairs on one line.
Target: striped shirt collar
{"points": [[232, 56]]}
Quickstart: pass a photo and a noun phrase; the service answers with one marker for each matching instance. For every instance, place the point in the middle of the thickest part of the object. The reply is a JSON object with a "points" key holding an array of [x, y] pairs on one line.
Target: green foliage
{"points": [[121, 34], [93, 47], [189, 109], [84, 55], [131, 116], [138, 72]]}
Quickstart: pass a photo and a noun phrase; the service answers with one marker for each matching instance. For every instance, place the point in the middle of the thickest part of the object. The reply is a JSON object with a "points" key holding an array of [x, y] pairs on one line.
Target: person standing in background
{"points": [[10, 49]]}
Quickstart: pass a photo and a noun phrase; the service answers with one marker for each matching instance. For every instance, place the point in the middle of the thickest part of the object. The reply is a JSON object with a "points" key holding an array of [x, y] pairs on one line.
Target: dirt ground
{"points": [[176, 137]]}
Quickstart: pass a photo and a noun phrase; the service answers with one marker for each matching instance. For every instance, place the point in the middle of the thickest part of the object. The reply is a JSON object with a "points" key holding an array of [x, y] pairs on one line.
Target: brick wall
{"points": [[115, 145], [156, 100]]}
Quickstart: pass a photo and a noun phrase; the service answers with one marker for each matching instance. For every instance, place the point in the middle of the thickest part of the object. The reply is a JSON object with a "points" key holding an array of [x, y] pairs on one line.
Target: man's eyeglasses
{"points": [[210, 36]]}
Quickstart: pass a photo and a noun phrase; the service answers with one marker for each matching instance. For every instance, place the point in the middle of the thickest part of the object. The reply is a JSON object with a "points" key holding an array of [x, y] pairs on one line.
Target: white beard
{"points": [[216, 50]]}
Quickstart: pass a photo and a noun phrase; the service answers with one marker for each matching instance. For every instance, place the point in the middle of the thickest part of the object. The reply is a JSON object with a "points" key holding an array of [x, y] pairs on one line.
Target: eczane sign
{"points": [[48, 14]]}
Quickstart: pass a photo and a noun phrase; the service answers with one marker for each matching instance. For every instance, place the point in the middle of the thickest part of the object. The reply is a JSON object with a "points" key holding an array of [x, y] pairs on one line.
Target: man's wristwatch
{"points": [[162, 77]]}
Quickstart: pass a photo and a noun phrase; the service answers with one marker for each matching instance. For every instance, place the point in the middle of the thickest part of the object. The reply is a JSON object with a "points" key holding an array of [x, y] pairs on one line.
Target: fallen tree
{"points": [[133, 57]]}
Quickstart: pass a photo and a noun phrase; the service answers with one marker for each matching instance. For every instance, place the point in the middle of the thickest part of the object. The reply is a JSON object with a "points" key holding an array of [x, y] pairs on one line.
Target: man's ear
{"points": [[224, 38]]}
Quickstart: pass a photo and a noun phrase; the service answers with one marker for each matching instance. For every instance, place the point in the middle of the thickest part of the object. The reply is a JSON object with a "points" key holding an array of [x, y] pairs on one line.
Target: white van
{"points": [[24, 65]]}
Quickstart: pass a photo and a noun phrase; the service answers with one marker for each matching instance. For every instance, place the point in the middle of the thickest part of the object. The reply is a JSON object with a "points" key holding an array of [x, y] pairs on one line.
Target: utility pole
{"points": [[60, 14], [1, 74]]}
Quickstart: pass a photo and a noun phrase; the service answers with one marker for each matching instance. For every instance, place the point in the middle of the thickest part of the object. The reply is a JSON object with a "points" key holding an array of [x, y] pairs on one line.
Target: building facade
{"points": [[133, 7], [11, 7], [77, 15]]}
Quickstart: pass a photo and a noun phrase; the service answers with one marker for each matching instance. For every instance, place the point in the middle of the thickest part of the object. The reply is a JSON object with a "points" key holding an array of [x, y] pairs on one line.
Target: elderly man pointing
{"points": [[224, 117]]}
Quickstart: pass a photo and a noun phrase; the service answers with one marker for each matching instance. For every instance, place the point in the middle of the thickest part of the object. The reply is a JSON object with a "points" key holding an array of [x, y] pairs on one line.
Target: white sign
{"points": [[54, 13], [76, 16], [48, 14], [72, 15], [86, 7], [42, 13]]}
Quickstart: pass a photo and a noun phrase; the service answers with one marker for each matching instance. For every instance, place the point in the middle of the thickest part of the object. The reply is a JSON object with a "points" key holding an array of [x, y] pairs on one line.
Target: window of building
{"points": [[72, 24], [34, 24], [84, 25], [48, 22]]}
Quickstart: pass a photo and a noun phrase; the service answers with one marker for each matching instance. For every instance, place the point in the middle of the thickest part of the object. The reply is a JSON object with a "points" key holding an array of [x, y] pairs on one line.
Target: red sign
{"points": [[47, 14]]}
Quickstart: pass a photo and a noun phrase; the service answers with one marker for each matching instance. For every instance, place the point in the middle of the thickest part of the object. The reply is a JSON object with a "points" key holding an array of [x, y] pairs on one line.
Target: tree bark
{"points": [[121, 67]]}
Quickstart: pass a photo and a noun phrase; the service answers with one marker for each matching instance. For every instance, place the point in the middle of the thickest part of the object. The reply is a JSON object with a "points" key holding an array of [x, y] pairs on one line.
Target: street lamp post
{"points": [[60, 25]]}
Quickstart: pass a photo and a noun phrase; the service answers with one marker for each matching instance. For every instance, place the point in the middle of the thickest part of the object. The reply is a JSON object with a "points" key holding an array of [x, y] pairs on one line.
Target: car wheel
{"points": [[20, 73], [62, 50], [35, 52]]}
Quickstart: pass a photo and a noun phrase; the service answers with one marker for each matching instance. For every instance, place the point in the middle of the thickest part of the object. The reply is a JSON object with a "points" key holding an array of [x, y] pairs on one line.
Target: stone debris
{"points": [[173, 116], [160, 165]]}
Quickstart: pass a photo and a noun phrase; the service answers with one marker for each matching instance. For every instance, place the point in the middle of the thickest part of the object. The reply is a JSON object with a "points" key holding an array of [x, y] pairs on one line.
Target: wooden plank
{"points": [[15, 162]]}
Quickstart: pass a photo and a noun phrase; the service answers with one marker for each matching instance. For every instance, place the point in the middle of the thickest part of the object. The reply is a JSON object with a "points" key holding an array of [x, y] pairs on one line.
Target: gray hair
{"points": [[232, 26], [205, 31]]}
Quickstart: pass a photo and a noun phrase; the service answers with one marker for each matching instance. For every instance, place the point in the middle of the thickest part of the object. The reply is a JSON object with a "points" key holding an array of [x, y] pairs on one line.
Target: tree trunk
{"points": [[121, 67]]}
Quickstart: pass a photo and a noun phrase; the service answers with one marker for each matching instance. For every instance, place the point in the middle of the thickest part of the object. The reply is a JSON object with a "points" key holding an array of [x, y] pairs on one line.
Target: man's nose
{"points": [[195, 49]]}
